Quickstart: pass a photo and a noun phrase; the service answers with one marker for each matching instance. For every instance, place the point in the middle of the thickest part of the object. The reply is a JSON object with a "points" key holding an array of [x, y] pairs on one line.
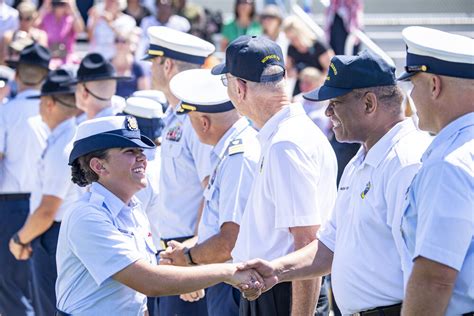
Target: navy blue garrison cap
{"points": [[54, 84], [95, 67], [437, 52], [248, 56], [35, 55], [347, 73], [108, 132]]}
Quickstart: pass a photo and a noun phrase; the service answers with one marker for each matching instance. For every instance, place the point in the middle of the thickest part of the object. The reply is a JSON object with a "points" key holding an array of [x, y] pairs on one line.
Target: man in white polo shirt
{"points": [[295, 183], [358, 245]]}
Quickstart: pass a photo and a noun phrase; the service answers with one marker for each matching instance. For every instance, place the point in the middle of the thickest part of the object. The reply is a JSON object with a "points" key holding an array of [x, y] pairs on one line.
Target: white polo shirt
{"points": [[366, 270], [295, 185], [22, 140], [234, 162], [53, 172], [99, 237], [438, 223], [184, 165]]}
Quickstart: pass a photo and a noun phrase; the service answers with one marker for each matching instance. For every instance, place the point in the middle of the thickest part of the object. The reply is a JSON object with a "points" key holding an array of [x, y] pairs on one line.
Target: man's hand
{"points": [[20, 252], [248, 281], [174, 254], [193, 296], [265, 269]]}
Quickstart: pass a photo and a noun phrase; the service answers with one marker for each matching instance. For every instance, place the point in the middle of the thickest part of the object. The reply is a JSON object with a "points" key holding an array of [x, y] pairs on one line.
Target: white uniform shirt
{"points": [[100, 236], [234, 161], [295, 185], [184, 165], [22, 140], [438, 223], [53, 172], [366, 270]]}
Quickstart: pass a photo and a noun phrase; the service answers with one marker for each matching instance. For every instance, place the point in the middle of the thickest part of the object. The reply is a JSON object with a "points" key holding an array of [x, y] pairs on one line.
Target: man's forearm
{"points": [[311, 261], [218, 247], [305, 296], [429, 288]]}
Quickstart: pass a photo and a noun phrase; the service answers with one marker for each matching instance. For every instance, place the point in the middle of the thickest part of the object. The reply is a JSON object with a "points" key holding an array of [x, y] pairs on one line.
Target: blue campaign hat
{"points": [[54, 84], [35, 55], [248, 56], [95, 67], [347, 73], [174, 44], [437, 52], [200, 91], [108, 132], [149, 114]]}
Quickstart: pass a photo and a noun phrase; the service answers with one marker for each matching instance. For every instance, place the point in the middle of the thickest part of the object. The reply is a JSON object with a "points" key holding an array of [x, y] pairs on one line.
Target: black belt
{"points": [[392, 310], [178, 239], [468, 314], [60, 313], [14, 197]]}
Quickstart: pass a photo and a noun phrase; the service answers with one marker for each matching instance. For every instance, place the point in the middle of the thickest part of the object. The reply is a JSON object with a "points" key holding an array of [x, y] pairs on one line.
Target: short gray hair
{"points": [[271, 85]]}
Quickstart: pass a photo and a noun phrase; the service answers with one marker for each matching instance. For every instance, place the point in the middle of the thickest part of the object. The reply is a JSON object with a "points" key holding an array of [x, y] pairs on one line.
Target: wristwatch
{"points": [[189, 259], [16, 240]]}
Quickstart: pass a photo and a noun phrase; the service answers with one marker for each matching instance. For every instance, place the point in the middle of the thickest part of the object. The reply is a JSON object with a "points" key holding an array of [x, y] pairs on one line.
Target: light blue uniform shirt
{"points": [[438, 223], [22, 141], [234, 161], [184, 165], [53, 173], [100, 236]]}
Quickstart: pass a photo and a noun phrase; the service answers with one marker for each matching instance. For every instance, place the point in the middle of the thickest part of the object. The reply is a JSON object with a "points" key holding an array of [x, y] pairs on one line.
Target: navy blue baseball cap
{"points": [[108, 132], [347, 73], [248, 56], [35, 55], [54, 84]]}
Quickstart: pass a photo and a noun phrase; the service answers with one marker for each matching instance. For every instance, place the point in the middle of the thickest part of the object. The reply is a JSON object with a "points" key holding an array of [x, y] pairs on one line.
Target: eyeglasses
{"points": [[26, 18], [225, 80]]}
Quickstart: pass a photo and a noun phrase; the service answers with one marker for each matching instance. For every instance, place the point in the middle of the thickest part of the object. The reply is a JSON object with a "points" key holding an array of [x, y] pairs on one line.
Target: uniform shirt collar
{"points": [[237, 128], [270, 127], [26, 93], [111, 201], [108, 111], [448, 131], [379, 151], [59, 130]]}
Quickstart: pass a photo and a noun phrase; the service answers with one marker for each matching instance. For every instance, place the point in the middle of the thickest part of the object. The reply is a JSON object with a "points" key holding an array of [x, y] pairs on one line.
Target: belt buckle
{"points": [[356, 314]]}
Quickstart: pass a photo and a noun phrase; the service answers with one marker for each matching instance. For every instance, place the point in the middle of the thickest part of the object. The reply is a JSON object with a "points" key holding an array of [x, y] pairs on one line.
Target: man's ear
{"points": [[370, 102], [241, 87], [205, 123], [435, 85]]}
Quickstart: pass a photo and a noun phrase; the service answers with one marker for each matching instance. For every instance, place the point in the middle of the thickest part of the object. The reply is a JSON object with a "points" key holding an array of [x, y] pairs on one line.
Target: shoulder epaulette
{"points": [[235, 147]]}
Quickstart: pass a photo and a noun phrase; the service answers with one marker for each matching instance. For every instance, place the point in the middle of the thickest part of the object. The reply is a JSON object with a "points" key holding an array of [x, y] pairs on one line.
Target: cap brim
{"points": [[325, 93], [219, 69], [405, 76], [181, 111], [76, 81], [148, 57], [107, 141]]}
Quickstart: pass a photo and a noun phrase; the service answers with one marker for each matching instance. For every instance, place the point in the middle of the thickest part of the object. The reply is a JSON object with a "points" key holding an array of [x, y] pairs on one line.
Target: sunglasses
{"points": [[120, 41], [26, 18]]}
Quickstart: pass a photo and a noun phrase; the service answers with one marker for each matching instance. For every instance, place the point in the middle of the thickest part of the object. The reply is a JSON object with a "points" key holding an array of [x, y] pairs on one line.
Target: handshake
{"points": [[252, 278]]}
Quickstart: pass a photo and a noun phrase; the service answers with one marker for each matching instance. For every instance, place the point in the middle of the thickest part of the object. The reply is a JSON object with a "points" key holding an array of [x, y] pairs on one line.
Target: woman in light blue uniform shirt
{"points": [[106, 257]]}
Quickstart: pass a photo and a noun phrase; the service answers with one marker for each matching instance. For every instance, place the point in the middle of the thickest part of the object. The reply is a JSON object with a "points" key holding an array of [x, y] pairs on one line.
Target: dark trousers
{"points": [[274, 302], [43, 264], [15, 276], [338, 38], [174, 306], [322, 308], [223, 299]]}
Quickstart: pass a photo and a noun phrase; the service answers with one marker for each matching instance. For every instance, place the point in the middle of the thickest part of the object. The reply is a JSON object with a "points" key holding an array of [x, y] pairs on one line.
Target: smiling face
{"points": [[123, 171], [348, 117]]}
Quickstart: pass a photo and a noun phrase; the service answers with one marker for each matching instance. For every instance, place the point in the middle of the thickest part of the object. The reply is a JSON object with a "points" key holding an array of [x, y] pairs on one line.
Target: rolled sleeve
{"points": [[100, 246], [327, 233], [293, 181], [445, 215]]}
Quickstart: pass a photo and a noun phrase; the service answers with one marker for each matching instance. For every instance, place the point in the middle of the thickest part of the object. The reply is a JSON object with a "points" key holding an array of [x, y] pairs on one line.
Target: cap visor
{"points": [[219, 69], [325, 93], [148, 57], [406, 76], [181, 111], [76, 81]]}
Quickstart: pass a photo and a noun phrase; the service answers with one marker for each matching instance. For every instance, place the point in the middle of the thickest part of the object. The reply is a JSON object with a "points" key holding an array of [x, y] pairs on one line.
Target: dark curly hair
{"points": [[82, 174]]}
